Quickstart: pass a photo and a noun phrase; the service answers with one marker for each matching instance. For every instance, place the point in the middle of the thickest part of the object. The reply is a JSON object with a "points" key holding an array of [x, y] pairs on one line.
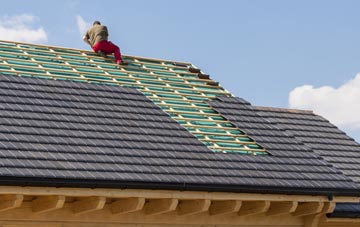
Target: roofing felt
{"points": [[61, 133], [173, 86]]}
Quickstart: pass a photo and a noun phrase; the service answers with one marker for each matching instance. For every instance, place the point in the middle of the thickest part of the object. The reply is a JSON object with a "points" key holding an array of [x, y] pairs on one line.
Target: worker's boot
{"points": [[101, 53], [121, 63]]}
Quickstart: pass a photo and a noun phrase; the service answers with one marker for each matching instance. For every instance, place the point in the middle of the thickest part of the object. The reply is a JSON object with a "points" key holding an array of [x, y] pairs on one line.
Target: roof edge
{"points": [[78, 183], [89, 51], [278, 109]]}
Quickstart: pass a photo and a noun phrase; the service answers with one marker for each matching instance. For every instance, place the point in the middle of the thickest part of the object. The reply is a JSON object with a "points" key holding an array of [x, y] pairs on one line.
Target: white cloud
{"points": [[19, 28], [339, 105], [82, 24]]}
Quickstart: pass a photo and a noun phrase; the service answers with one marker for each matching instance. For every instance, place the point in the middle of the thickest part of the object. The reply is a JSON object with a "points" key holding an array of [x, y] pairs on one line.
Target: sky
{"points": [[302, 54]]}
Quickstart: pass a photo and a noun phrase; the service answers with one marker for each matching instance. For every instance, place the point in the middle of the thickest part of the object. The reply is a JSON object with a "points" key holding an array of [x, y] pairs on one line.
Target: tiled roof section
{"points": [[264, 132], [178, 88], [57, 133], [324, 138], [282, 145]]}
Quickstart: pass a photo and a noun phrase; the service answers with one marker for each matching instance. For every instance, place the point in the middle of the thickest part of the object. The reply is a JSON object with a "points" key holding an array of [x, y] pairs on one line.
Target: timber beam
{"points": [[127, 205], [48, 203], [313, 219], [304, 209], [190, 207], [160, 206], [220, 207], [87, 205], [283, 207], [253, 207], [119, 206], [8, 202]]}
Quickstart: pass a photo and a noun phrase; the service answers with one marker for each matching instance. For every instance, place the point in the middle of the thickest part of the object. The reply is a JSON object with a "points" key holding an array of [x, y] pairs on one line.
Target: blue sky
{"points": [[280, 53]]}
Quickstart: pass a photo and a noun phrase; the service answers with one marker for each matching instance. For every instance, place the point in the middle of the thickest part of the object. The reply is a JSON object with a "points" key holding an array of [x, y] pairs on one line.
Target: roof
{"points": [[298, 134], [77, 134], [174, 86], [152, 124], [324, 139]]}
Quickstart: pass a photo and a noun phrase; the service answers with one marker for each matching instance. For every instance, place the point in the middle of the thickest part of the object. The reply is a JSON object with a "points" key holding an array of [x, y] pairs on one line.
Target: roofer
{"points": [[97, 38]]}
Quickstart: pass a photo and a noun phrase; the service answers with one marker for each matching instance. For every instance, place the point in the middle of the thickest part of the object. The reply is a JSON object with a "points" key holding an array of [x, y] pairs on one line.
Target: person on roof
{"points": [[97, 38]]}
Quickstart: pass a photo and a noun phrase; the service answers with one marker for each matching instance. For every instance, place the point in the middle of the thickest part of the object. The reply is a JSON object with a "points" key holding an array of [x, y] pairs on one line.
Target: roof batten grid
{"points": [[169, 84]]}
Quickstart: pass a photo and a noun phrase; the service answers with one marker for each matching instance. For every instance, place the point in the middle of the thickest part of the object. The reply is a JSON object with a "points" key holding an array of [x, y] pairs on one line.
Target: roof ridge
{"points": [[91, 52], [282, 109]]}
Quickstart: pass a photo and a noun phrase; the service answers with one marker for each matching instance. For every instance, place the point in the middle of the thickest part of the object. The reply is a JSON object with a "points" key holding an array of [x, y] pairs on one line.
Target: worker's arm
{"points": [[86, 40], [106, 31]]}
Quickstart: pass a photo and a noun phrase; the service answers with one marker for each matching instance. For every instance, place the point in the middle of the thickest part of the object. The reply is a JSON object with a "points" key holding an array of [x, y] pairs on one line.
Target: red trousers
{"points": [[108, 48]]}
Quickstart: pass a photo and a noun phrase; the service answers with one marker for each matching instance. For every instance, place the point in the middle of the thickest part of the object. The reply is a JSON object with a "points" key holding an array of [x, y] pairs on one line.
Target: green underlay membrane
{"points": [[170, 85], [97, 77], [194, 116], [68, 74], [5, 67], [230, 138], [41, 53], [177, 102], [161, 89], [126, 80], [59, 67], [155, 67]]}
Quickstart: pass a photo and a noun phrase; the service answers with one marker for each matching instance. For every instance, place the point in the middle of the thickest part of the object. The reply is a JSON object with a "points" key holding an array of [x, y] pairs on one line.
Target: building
{"points": [[159, 143]]}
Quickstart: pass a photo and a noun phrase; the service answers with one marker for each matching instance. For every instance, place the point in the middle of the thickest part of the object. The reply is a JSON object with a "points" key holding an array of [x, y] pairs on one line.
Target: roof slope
{"points": [[326, 140], [277, 141], [84, 134], [78, 134], [177, 87], [298, 134], [322, 137]]}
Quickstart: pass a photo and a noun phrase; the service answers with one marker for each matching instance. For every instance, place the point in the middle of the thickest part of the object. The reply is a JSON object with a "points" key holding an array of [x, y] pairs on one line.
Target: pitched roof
{"points": [[324, 139], [294, 128], [157, 130], [174, 86], [79, 134]]}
